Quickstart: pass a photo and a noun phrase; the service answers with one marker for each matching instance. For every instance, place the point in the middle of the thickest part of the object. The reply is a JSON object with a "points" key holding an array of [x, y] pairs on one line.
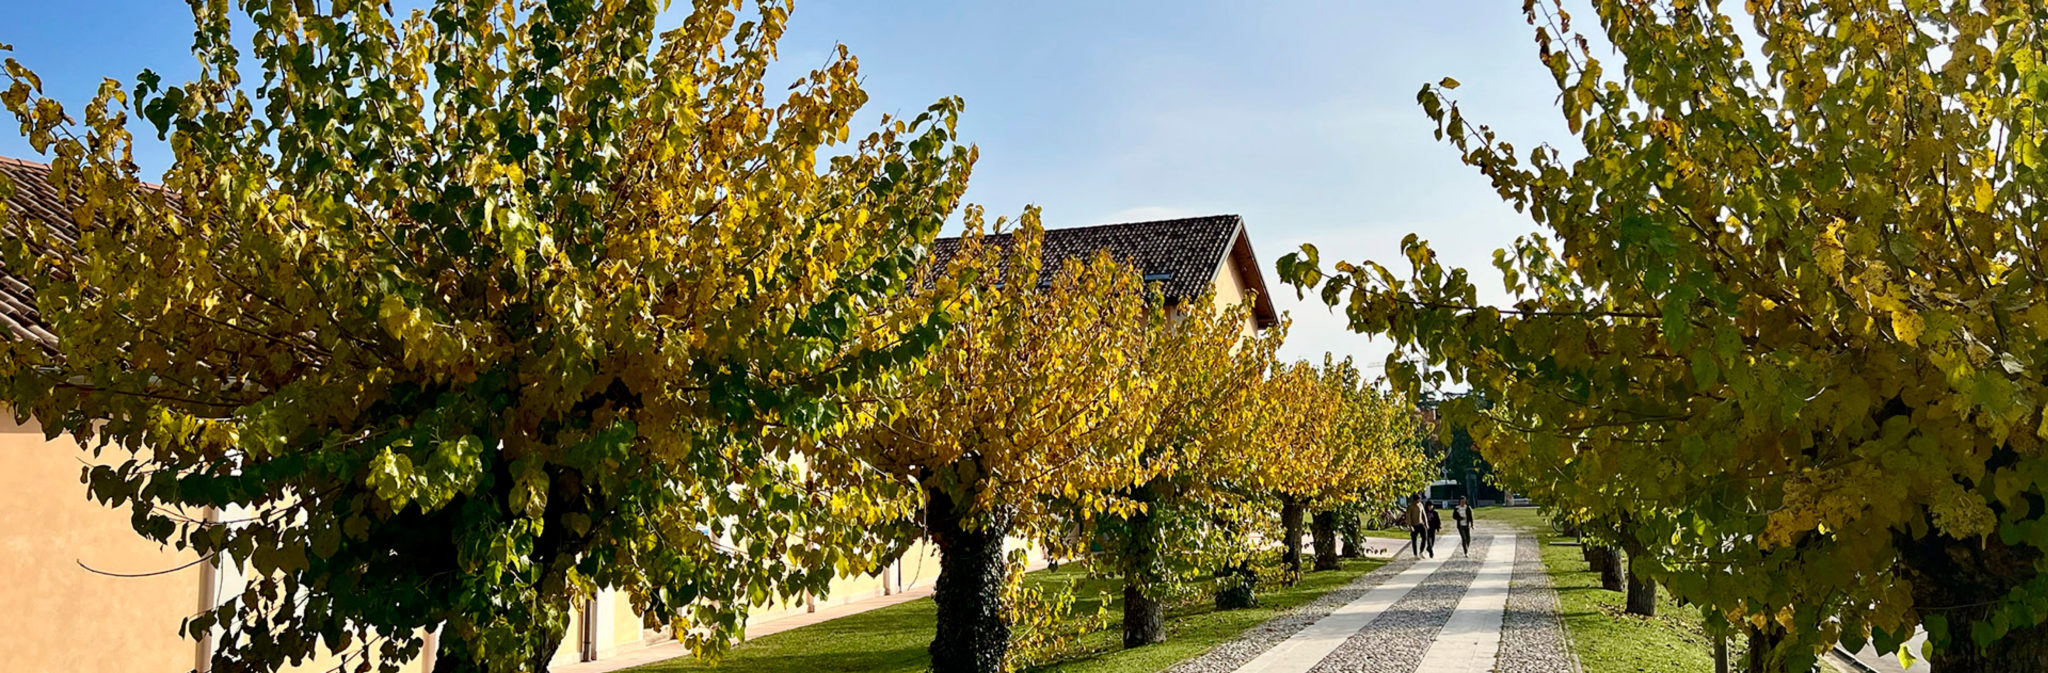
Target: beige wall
{"points": [[58, 616], [919, 568]]}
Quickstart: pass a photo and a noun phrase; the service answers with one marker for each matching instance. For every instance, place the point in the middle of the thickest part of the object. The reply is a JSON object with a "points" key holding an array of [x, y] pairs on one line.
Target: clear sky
{"points": [[1299, 115]]}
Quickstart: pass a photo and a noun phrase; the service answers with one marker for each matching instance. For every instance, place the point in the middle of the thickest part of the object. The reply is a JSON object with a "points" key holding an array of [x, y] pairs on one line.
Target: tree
{"points": [[1790, 297], [1335, 439], [1204, 366], [1035, 394], [1461, 460], [467, 315]]}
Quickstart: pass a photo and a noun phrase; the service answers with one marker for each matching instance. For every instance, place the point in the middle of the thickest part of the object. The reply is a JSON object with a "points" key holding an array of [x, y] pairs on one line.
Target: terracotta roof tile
{"points": [[34, 202]]}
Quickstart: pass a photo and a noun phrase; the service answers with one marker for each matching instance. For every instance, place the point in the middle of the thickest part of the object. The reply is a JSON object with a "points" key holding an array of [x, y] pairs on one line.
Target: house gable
{"points": [[1185, 256]]}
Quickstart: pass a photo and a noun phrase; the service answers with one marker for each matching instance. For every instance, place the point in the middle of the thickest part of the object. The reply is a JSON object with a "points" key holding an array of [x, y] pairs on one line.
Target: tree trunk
{"points": [[1642, 591], [1642, 594], [972, 636], [1235, 587], [1610, 569], [1979, 575], [1762, 657], [455, 653], [545, 620], [1144, 616], [1354, 542], [1290, 518], [1325, 529]]}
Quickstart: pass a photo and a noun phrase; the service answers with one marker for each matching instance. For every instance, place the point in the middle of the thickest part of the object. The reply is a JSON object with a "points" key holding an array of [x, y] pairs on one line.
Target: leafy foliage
{"points": [[1786, 314], [1205, 365], [1034, 394], [1030, 414], [1046, 624], [1331, 438], [463, 315]]}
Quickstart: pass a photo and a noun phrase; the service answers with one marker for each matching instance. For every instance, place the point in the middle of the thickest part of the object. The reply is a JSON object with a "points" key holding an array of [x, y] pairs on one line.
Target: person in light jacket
{"points": [[1462, 515], [1417, 521]]}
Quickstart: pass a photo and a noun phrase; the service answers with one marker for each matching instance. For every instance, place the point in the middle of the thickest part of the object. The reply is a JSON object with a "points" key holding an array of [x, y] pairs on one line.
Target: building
{"points": [[1186, 257], [86, 594]]}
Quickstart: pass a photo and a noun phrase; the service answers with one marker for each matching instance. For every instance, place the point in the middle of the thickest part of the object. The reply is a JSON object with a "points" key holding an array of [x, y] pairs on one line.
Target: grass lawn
{"points": [[1530, 519], [1608, 640], [893, 639], [1605, 638]]}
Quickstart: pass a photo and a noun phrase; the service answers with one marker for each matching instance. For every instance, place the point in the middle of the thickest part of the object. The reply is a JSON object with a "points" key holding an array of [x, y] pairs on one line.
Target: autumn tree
{"points": [[464, 315], [1333, 439], [1786, 309], [1204, 365], [1034, 398]]}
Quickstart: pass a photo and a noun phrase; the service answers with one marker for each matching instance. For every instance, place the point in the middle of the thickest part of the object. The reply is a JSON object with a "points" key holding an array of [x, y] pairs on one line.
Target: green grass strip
{"points": [[893, 639]]}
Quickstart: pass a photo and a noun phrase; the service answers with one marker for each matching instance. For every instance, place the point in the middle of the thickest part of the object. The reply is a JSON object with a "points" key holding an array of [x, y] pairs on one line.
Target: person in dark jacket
{"points": [[1436, 523], [1462, 515], [1417, 520]]}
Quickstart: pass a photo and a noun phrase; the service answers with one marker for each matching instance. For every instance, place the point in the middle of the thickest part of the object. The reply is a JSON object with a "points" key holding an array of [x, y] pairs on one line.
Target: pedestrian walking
{"points": [[1436, 523], [1462, 515], [1417, 520]]}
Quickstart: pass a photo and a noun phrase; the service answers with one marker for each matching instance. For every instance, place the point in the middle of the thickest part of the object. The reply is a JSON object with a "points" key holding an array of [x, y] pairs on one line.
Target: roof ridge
{"points": [[1166, 220], [24, 163], [46, 168], [1171, 220]]}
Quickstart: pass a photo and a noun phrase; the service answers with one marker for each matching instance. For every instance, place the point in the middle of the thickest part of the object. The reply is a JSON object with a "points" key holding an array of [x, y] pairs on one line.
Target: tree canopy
{"points": [[464, 314], [1332, 438], [1786, 309], [1206, 365], [1030, 413]]}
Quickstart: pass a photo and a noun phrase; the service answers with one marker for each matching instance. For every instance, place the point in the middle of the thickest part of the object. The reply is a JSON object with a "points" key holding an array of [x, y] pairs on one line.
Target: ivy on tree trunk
{"points": [[1325, 529], [1291, 511], [1354, 542], [972, 636], [1144, 615], [1236, 586]]}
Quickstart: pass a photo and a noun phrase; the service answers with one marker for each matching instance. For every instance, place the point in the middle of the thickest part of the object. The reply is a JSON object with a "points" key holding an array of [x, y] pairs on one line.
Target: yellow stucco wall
{"points": [[1232, 289], [59, 616], [919, 568]]}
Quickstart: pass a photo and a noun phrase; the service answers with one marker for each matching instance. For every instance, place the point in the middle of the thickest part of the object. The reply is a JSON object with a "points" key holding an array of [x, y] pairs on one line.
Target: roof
{"points": [[34, 202], [1182, 255]]}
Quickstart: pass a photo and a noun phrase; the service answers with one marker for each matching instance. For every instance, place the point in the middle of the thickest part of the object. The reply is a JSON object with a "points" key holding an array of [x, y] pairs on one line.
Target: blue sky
{"points": [[1299, 115]]}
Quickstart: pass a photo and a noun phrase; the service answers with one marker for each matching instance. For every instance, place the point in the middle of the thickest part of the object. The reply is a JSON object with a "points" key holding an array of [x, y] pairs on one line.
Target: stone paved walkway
{"points": [[1470, 640], [1492, 611], [1314, 643]]}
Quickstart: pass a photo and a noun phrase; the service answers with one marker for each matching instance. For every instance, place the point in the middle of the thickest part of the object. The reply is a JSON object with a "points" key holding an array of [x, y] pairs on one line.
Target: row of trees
{"points": [[1783, 330], [462, 316], [1077, 407]]}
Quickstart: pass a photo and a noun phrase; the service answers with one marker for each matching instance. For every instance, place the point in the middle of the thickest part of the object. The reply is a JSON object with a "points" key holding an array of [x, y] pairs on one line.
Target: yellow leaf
{"points": [[1907, 325]]}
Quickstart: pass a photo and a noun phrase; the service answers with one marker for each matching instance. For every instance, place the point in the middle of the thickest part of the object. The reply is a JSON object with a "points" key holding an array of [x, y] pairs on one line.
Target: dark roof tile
{"points": [[1182, 255]]}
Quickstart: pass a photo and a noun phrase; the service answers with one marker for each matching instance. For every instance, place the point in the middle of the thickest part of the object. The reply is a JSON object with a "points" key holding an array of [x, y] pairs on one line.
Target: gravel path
{"points": [[1249, 645], [1532, 639], [1395, 642]]}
